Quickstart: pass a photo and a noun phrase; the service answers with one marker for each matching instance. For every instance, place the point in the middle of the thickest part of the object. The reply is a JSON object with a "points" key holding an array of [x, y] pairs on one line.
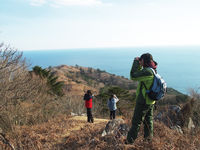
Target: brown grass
{"points": [[65, 132], [31, 119]]}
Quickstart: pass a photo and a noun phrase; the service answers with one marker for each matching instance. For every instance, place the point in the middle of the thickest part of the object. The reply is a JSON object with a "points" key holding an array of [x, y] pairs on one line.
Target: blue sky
{"points": [[65, 24]]}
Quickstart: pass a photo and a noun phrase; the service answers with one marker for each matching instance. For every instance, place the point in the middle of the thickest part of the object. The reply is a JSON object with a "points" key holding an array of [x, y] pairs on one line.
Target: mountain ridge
{"points": [[79, 79]]}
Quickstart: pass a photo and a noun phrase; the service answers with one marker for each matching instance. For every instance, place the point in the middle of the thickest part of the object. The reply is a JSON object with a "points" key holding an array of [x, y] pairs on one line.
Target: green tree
{"points": [[55, 86], [126, 103]]}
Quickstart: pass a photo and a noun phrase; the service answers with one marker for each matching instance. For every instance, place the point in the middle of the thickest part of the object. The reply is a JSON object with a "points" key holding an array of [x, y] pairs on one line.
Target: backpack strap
{"points": [[153, 70], [145, 87], [154, 73]]}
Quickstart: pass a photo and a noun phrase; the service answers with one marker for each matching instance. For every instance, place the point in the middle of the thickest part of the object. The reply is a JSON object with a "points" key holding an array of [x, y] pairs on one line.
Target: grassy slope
{"points": [[79, 79], [67, 132]]}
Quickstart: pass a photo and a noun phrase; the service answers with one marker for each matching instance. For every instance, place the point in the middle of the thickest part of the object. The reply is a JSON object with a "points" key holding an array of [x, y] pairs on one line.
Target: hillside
{"points": [[45, 121], [75, 133], [79, 79], [35, 114]]}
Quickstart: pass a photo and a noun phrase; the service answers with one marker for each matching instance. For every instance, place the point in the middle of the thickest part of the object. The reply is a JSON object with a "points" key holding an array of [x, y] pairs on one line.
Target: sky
{"points": [[66, 24]]}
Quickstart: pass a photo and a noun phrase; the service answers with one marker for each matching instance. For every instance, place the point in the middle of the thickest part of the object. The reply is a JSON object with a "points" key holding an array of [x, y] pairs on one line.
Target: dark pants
{"points": [[112, 114], [89, 115], [143, 113]]}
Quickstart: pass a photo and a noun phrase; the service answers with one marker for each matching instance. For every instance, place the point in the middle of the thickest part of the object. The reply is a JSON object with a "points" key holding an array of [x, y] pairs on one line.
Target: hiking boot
{"points": [[148, 139], [129, 141], [92, 120]]}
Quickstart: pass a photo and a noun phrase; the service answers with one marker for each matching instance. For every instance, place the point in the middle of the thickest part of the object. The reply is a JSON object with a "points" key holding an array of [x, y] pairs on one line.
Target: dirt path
{"points": [[81, 123], [54, 133], [74, 133], [84, 118]]}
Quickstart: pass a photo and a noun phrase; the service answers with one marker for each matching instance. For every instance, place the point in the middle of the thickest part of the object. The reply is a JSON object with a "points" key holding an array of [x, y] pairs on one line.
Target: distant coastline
{"points": [[177, 65]]}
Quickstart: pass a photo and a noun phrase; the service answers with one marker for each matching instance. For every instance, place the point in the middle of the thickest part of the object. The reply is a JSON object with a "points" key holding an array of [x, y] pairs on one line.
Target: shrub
{"points": [[125, 105], [196, 111], [24, 97], [56, 87]]}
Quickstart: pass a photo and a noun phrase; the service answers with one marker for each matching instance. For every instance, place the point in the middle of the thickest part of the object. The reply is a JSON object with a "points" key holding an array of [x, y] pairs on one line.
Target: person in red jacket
{"points": [[88, 104]]}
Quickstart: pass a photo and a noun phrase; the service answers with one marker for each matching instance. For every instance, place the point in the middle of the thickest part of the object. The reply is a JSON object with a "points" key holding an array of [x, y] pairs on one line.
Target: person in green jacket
{"points": [[144, 105]]}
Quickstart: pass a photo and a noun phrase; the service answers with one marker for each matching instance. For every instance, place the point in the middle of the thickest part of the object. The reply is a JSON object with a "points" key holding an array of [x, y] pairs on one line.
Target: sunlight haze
{"points": [[64, 24]]}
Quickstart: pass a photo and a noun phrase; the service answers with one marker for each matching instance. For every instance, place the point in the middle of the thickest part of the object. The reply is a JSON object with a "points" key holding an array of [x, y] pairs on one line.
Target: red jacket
{"points": [[88, 101]]}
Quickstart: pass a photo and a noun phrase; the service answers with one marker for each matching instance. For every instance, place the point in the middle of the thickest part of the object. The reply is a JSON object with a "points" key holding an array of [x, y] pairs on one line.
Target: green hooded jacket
{"points": [[145, 75]]}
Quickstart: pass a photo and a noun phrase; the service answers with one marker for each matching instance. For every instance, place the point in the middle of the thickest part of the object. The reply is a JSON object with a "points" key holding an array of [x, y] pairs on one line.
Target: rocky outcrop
{"points": [[116, 127], [176, 117], [169, 116]]}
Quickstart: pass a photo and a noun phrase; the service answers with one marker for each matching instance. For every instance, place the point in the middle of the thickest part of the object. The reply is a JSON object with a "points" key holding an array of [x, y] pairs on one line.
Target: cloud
{"points": [[37, 2], [77, 2], [58, 3]]}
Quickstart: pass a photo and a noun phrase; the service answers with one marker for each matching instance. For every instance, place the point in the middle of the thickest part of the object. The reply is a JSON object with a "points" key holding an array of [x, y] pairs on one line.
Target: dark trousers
{"points": [[143, 113], [112, 114], [89, 115]]}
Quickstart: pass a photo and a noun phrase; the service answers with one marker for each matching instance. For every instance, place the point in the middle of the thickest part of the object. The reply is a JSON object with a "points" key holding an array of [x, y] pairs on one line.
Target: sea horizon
{"points": [[177, 65]]}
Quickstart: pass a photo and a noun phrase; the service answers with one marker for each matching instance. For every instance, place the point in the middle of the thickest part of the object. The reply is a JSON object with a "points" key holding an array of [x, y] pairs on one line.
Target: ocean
{"points": [[179, 66]]}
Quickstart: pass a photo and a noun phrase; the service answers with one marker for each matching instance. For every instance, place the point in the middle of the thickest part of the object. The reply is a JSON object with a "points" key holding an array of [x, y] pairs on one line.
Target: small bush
{"points": [[126, 100], [196, 111]]}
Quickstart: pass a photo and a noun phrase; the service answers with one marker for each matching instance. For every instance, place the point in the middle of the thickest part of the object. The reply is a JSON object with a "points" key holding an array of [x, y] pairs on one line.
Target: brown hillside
{"points": [[79, 79], [66, 132]]}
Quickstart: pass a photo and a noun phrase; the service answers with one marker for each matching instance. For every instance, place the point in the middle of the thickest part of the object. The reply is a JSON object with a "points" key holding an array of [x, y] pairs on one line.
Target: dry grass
{"points": [[164, 139], [31, 119], [65, 132]]}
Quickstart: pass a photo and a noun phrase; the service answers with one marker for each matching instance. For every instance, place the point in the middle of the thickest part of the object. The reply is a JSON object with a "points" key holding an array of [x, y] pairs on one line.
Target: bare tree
{"points": [[16, 86], [194, 93]]}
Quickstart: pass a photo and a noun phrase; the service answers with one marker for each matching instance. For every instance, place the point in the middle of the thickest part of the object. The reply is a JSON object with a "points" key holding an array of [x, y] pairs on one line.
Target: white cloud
{"points": [[77, 2], [37, 2], [58, 3]]}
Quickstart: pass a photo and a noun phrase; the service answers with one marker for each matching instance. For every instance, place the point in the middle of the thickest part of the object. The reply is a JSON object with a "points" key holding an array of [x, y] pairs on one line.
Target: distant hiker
{"points": [[144, 105], [112, 105], [88, 104]]}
